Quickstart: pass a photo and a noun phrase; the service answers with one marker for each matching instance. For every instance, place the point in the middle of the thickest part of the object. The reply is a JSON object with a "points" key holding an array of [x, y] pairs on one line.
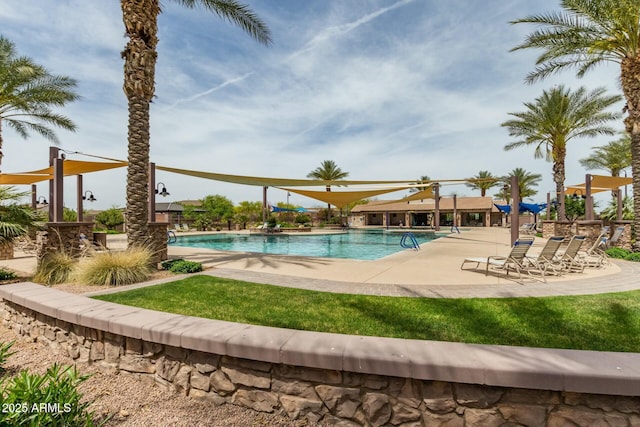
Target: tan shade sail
{"points": [[69, 167], [268, 182], [599, 183], [340, 199]]}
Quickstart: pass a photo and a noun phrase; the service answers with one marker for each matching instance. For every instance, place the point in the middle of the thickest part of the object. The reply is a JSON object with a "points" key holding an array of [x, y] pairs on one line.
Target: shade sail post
{"points": [[53, 155], [619, 204], [515, 210], [152, 192], [34, 197], [264, 204], [436, 195], [79, 199], [58, 190], [588, 203]]}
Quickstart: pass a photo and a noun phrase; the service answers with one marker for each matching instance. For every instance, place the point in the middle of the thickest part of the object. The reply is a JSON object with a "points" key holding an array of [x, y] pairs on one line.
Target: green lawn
{"points": [[608, 322]]}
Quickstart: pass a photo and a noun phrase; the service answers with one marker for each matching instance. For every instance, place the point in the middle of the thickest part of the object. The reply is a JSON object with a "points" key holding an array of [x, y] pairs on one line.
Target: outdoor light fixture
{"points": [[578, 194], [42, 201], [90, 197], [163, 192]]}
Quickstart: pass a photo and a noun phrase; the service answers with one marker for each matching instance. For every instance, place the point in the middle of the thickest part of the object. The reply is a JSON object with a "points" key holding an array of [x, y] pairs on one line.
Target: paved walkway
{"points": [[434, 271]]}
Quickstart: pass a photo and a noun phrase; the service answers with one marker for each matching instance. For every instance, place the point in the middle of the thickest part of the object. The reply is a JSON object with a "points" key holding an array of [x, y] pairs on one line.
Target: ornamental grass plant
{"points": [[56, 267], [115, 268]]}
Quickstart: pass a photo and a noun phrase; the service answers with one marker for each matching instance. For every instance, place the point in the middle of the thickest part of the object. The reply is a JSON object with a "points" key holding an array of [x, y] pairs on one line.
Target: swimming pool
{"points": [[356, 244]]}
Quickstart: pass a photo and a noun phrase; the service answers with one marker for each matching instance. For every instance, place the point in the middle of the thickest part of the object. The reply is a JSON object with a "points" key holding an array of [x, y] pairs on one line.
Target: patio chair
{"points": [[571, 261], [596, 256], [185, 227], [548, 257], [25, 244], [617, 234], [528, 228], [516, 260]]}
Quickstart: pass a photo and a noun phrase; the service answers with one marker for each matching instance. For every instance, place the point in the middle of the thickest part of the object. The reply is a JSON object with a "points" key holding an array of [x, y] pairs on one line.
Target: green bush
{"points": [[182, 266], [619, 253], [7, 275], [633, 256], [4, 354], [55, 267], [115, 268], [51, 399]]}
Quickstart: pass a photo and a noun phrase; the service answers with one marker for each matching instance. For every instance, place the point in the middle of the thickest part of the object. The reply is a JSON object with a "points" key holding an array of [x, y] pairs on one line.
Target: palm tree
{"points": [[557, 117], [141, 25], [613, 157], [422, 180], [483, 181], [585, 34], [27, 93], [526, 183], [328, 171]]}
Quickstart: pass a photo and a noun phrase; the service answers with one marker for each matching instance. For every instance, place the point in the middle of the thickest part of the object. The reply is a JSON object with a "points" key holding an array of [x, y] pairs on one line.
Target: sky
{"points": [[388, 89]]}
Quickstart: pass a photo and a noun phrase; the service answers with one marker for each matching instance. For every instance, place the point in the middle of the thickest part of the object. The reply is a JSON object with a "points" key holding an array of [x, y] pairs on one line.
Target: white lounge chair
{"points": [[515, 261]]}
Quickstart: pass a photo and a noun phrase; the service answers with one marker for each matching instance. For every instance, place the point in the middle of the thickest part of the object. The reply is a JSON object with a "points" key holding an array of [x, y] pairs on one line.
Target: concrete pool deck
{"points": [[433, 271]]}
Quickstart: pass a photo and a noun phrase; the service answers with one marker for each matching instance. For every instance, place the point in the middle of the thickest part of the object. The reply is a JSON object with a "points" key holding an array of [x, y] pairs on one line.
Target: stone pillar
{"points": [[590, 229], [548, 229], [625, 239], [6, 250], [563, 228], [158, 241], [62, 236]]}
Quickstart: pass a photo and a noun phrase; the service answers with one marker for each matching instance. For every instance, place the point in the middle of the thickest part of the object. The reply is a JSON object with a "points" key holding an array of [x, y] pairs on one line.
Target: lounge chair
{"points": [[548, 257], [25, 244], [516, 260], [528, 228], [613, 241], [570, 259], [185, 227], [595, 256]]}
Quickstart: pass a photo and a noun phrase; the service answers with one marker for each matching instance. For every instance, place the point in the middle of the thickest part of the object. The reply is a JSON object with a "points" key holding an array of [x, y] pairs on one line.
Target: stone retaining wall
{"points": [[360, 396]]}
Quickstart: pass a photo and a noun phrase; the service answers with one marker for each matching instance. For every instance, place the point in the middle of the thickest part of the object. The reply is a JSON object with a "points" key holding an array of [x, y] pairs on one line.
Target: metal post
{"points": [[515, 209], [53, 154], [436, 194], [58, 189], [264, 204], [619, 204], [548, 206], [79, 199], [152, 192], [588, 203], [34, 197]]}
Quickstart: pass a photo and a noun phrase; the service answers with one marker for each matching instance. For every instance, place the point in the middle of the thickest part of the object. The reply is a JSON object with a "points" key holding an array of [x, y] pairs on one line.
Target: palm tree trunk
{"points": [[558, 178], [141, 23], [328, 207], [1, 154], [630, 69]]}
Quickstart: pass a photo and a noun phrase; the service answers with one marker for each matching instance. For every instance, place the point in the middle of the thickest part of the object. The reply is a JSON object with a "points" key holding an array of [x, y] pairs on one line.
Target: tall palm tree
{"points": [[328, 171], [555, 118], [141, 24], [613, 157], [585, 34], [28, 92], [526, 183], [483, 181]]}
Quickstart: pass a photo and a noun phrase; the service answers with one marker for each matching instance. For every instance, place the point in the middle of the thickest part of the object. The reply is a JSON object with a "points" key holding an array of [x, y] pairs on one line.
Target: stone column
{"points": [[590, 229], [548, 229], [563, 228], [62, 236], [158, 241]]}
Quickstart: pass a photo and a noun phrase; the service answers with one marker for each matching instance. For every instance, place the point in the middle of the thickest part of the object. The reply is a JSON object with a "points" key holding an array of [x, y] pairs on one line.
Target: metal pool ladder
{"points": [[409, 241]]}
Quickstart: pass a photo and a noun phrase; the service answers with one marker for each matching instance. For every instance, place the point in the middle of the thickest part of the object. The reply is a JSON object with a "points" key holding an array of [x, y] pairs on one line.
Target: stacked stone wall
{"points": [[62, 236], [158, 240], [328, 397]]}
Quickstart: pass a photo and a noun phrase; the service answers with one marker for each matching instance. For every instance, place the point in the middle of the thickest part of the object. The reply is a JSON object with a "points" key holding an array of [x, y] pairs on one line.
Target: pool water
{"points": [[356, 244]]}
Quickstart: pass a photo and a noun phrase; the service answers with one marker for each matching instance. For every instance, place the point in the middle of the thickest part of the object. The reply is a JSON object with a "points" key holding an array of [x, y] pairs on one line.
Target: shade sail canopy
{"points": [[534, 208], [268, 182], [599, 183], [340, 199], [503, 208], [69, 167]]}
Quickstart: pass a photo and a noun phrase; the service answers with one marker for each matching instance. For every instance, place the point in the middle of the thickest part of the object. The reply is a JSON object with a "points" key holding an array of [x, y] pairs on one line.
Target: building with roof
{"points": [[470, 211]]}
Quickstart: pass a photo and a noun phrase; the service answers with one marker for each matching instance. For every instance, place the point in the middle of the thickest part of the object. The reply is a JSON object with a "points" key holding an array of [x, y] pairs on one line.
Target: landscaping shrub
{"points": [[633, 256], [617, 253], [51, 399], [56, 267], [4, 354], [7, 275], [115, 268], [181, 266]]}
